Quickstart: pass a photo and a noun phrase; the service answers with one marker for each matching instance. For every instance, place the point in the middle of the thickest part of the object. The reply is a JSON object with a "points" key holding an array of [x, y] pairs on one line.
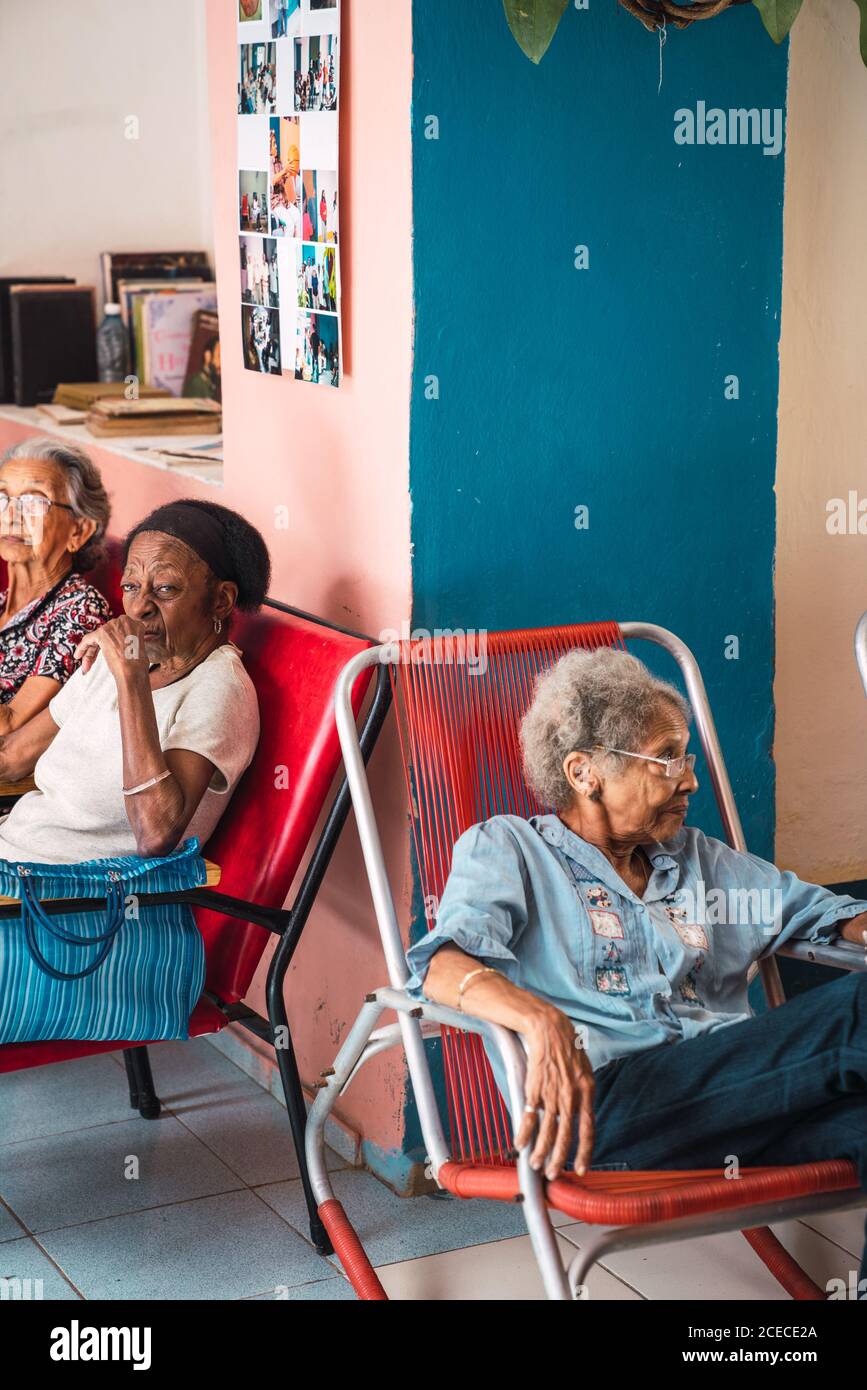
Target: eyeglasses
{"points": [[31, 505], [674, 767]]}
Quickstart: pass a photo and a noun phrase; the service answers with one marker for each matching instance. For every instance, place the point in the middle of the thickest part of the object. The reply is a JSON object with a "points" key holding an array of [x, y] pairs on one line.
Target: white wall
{"points": [[72, 183], [821, 734]]}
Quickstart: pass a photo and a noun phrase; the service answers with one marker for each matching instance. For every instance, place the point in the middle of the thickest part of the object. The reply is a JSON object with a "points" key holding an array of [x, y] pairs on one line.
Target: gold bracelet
{"points": [[480, 970]]}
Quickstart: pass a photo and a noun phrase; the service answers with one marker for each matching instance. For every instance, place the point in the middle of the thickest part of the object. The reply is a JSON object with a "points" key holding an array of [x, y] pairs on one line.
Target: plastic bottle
{"points": [[111, 346]]}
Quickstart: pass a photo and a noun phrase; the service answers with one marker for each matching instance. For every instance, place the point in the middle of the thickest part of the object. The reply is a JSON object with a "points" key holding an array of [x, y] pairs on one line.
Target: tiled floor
{"points": [[205, 1203]]}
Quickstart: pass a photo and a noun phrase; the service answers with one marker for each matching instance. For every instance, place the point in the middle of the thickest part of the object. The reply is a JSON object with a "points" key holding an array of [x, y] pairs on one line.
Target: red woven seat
{"points": [[638, 1198]]}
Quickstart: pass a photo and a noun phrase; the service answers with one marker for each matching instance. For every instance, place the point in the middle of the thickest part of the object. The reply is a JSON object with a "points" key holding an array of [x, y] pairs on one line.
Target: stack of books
{"points": [[154, 416], [72, 400], [80, 395]]}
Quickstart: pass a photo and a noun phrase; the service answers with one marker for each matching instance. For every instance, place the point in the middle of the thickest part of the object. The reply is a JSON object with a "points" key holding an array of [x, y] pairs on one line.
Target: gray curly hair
{"points": [[86, 495], [599, 697]]}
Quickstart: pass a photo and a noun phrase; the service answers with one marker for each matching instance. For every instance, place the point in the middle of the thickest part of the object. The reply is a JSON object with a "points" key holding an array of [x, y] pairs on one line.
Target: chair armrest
{"points": [[842, 955], [9, 789], [510, 1045]]}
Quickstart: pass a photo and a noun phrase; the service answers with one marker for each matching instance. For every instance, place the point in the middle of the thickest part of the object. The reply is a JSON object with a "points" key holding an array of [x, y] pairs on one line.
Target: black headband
{"points": [[197, 528]]}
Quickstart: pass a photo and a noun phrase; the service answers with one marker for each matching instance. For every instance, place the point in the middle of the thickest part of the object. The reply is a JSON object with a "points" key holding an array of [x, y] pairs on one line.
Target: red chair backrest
{"points": [[259, 844], [106, 577], [460, 703]]}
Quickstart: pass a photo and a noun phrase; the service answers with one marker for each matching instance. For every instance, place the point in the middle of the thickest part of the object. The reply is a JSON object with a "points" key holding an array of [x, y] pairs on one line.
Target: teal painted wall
{"points": [[604, 387]]}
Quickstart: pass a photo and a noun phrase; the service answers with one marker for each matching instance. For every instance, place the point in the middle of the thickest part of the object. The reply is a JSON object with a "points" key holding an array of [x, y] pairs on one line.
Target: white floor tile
{"points": [[821, 1257], [709, 1267], [844, 1228], [502, 1270]]}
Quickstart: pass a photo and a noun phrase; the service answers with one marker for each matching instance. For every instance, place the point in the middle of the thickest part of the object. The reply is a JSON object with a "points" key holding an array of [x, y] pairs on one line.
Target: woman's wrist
{"points": [[133, 677], [542, 1019]]}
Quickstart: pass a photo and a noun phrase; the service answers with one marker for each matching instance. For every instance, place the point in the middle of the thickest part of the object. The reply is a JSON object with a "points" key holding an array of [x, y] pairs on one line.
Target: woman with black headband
{"points": [[143, 746]]}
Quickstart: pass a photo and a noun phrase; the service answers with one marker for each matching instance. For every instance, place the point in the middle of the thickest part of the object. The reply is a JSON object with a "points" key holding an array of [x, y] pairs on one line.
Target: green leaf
{"points": [[534, 23], [778, 16], [862, 5]]}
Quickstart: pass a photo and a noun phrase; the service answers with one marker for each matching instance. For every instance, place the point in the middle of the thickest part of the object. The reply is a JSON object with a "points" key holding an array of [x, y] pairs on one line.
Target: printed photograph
{"points": [[315, 73], [285, 16], [260, 329], [259, 277], [319, 205], [284, 163], [317, 350], [253, 200], [317, 278], [203, 374], [323, 4], [249, 10], [257, 89]]}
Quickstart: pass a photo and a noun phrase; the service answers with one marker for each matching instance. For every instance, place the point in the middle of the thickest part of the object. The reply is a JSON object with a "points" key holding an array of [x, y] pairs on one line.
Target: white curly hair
{"points": [[601, 697]]}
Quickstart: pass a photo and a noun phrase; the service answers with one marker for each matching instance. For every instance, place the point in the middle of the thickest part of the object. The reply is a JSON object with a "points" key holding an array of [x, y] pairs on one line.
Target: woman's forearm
{"points": [[559, 1080], [855, 929], [21, 750], [489, 996], [155, 814]]}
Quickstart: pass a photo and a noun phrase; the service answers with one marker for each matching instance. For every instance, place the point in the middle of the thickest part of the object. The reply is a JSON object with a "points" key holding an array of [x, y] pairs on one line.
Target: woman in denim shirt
{"points": [[617, 941]]}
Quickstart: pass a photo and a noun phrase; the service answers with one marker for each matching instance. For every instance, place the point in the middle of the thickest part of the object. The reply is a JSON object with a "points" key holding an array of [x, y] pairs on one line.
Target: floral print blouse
{"points": [[41, 639]]}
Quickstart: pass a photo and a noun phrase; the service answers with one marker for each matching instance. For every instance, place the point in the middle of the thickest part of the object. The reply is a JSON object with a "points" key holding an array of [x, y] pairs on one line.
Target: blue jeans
{"points": [[788, 1086]]}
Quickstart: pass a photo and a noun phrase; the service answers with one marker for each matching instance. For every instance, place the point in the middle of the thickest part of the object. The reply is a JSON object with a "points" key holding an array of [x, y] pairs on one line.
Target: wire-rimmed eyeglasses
{"points": [[31, 505], [674, 767]]}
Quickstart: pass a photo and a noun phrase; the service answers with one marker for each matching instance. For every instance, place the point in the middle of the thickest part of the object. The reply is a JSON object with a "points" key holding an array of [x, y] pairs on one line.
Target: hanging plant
{"points": [[534, 22]]}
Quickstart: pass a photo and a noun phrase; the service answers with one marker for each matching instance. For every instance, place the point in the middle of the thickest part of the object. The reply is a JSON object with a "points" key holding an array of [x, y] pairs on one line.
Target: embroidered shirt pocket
{"points": [[605, 923]]}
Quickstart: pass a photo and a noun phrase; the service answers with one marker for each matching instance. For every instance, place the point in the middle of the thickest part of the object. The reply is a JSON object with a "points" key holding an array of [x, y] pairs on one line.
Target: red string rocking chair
{"points": [[459, 702]]}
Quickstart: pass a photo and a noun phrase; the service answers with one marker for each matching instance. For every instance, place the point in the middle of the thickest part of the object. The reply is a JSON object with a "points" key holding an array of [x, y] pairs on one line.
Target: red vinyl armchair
{"points": [[294, 660], [459, 704]]}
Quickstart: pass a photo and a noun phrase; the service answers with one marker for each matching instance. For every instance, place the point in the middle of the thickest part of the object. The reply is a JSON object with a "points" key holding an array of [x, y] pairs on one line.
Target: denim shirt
{"points": [[550, 912]]}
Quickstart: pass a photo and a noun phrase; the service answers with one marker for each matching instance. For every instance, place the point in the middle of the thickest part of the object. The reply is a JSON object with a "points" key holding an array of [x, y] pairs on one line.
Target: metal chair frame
{"points": [[417, 1021], [861, 649], [286, 923]]}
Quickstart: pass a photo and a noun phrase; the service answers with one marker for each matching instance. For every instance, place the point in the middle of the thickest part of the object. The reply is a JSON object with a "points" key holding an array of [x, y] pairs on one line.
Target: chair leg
{"points": [[348, 1247], [142, 1096], [594, 1245], [783, 1266], [543, 1237], [297, 1111]]}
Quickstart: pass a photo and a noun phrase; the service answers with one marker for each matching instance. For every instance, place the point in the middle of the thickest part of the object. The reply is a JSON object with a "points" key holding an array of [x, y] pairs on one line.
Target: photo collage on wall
{"points": [[288, 198]]}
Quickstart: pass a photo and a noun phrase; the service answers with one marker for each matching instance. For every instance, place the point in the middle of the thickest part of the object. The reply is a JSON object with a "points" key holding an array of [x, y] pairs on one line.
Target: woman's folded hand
{"points": [[559, 1089], [122, 643]]}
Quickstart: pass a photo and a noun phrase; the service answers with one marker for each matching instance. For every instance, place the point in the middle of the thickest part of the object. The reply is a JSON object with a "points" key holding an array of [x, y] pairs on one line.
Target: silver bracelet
{"points": [[480, 970], [133, 791]]}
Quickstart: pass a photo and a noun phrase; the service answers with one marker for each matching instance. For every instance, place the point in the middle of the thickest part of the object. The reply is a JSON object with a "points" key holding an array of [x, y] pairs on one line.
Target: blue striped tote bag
{"points": [[131, 971]]}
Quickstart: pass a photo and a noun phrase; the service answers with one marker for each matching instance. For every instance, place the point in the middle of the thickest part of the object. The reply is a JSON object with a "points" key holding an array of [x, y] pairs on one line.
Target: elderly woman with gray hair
{"points": [[53, 514], [617, 942]]}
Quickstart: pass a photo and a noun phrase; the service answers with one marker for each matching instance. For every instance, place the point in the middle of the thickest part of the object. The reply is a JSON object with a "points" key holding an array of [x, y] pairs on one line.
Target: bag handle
{"points": [[33, 913]]}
